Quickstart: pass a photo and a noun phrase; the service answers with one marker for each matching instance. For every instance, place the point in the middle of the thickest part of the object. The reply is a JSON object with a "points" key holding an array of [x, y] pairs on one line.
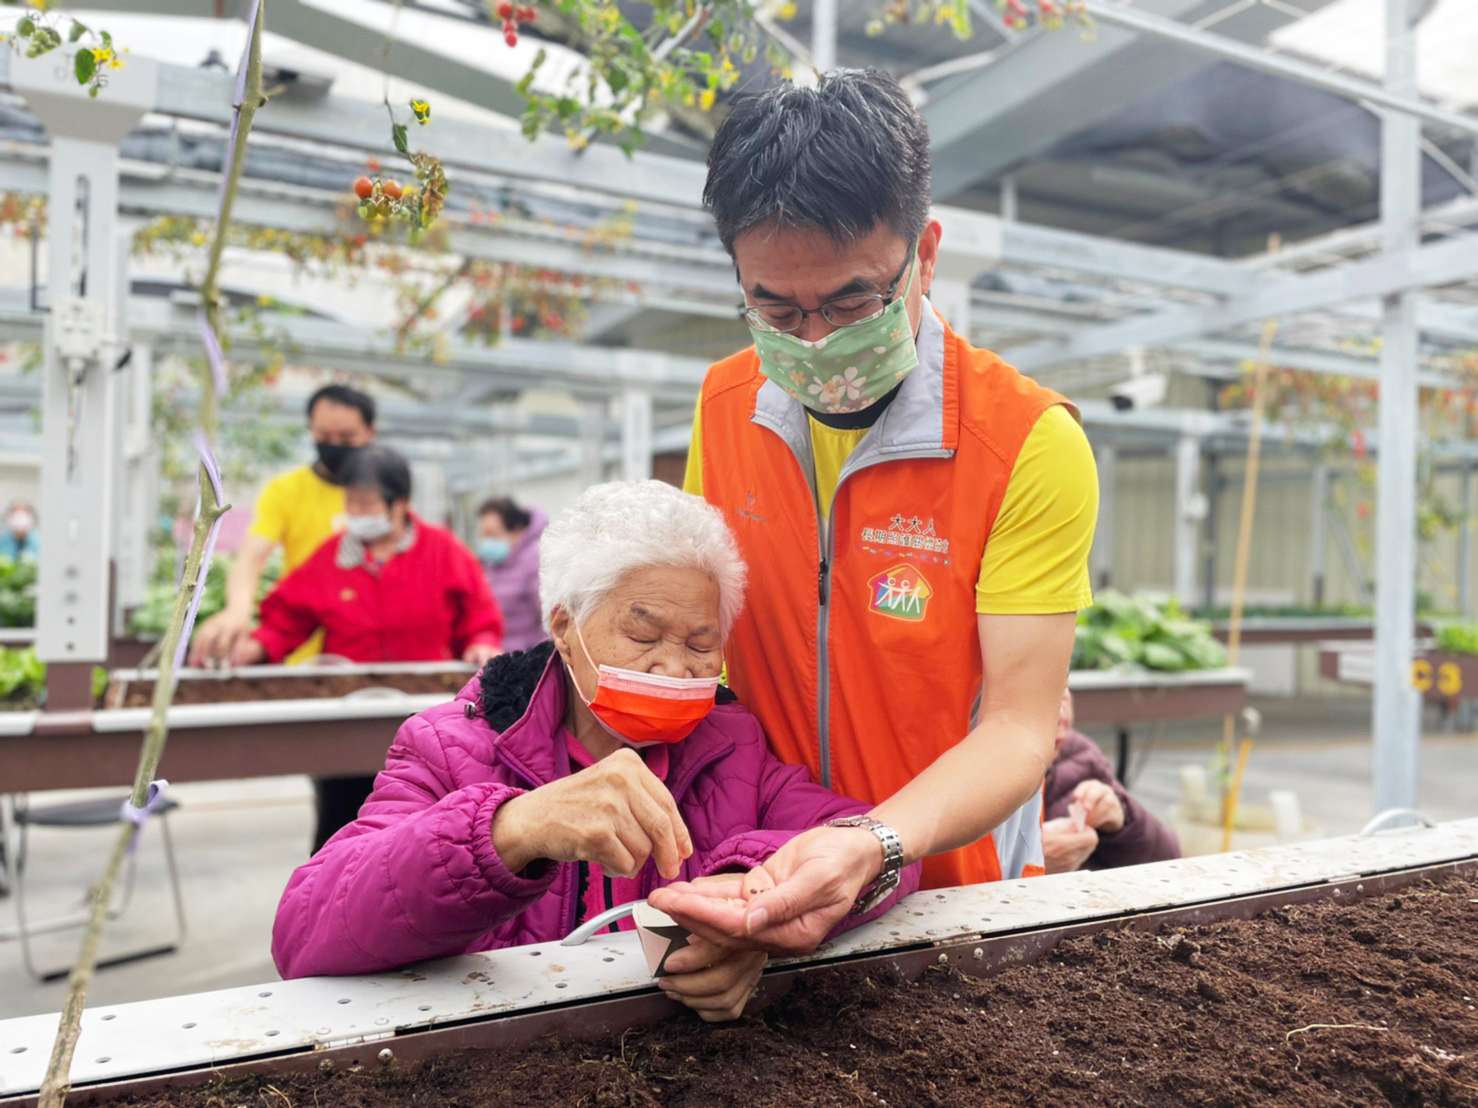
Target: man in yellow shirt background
{"points": [[298, 511]]}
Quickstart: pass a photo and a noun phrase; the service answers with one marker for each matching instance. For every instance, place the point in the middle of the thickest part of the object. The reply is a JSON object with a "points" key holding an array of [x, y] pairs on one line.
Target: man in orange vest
{"points": [[916, 516]]}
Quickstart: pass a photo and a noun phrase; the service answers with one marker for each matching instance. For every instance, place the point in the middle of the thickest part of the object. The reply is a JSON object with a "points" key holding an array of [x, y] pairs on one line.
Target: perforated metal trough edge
{"points": [[506, 999]]}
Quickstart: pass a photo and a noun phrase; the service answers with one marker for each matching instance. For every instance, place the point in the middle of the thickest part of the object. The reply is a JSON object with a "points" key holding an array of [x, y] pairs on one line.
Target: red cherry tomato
{"points": [[363, 187], [510, 37], [505, 9], [391, 189]]}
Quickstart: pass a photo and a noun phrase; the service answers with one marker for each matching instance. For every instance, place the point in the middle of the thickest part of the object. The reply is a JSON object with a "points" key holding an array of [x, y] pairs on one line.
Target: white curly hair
{"points": [[622, 526]]}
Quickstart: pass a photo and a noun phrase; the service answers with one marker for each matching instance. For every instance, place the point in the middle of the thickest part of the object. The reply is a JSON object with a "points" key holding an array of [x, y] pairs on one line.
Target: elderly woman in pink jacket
{"points": [[574, 776]]}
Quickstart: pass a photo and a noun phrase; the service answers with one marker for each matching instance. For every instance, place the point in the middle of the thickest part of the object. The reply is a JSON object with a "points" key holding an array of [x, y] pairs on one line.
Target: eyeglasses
{"points": [[840, 311]]}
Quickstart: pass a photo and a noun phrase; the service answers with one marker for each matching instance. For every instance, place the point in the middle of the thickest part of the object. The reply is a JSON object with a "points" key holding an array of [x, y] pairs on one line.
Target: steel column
{"points": [[1319, 533], [85, 297], [592, 466], [1189, 511], [1465, 541], [1103, 535], [824, 35], [138, 498], [1396, 706], [636, 434]]}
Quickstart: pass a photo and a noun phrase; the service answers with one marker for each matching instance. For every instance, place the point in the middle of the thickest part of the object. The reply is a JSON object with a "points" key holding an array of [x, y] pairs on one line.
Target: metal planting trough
{"points": [[509, 998]]}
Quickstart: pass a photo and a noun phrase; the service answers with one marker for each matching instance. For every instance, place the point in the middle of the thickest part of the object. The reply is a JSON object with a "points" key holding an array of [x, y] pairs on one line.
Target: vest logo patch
{"points": [[910, 534], [901, 593], [750, 510]]}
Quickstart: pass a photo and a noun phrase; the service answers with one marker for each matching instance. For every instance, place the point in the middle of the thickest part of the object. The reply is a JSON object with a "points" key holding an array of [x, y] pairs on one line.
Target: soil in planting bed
{"points": [[1337, 1004], [313, 685]]}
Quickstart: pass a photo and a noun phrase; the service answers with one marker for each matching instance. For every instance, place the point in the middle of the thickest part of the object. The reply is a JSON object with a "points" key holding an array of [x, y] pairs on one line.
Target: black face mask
{"points": [[335, 458]]}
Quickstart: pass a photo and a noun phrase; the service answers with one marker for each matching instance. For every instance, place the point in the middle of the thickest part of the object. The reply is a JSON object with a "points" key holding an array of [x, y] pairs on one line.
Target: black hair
{"points": [[379, 468], [842, 158], [362, 402], [514, 518]]}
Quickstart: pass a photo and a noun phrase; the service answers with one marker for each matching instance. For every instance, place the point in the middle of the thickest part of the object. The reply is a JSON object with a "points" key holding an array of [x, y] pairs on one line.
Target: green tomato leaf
{"points": [[26, 27], [84, 66], [398, 136], [78, 30]]}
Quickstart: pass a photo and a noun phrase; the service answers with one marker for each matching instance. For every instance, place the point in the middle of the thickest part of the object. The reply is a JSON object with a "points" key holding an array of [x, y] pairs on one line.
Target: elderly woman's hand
{"points": [[720, 983], [615, 813]]}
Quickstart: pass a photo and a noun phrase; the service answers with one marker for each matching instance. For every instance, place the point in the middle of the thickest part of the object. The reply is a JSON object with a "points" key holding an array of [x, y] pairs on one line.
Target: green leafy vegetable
{"points": [[1139, 633], [1458, 638]]}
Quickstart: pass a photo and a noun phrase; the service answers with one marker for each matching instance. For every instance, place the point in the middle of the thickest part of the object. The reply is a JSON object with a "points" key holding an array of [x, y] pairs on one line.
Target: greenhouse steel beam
{"points": [[972, 243], [513, 363], [1396, 706], [1064, 86], [1279, 65], [1366, 236], [972, 239], [1444, 263], [704, 274], [1288, 357], [344, 122], [526, 362]]}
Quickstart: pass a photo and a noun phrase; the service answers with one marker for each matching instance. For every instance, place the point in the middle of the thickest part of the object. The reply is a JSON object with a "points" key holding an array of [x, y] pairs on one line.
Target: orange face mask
{"points": [[643, 708]]}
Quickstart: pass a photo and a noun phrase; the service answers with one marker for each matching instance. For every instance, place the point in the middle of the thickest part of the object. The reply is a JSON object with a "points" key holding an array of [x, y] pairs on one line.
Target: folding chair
{"points": [[78, 814]]}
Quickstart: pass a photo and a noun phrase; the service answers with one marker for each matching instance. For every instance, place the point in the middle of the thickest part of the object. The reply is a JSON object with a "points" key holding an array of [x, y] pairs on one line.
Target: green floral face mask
{"points": [[848, 370]]}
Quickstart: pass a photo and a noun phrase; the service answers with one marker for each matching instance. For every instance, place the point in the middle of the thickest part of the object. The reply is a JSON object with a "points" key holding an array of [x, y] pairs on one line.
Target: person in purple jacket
{"points": [[1090, 820], [508, 547], [575, 776]]}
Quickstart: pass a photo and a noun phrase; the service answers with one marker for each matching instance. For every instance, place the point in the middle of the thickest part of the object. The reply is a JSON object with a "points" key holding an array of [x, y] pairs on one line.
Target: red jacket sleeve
{"points": [[477, 619], [289, 612]]}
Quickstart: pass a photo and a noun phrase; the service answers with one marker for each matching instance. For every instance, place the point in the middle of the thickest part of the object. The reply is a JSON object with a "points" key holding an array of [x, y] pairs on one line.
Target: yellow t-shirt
{"points": [[299, 511], [1036, 562]]}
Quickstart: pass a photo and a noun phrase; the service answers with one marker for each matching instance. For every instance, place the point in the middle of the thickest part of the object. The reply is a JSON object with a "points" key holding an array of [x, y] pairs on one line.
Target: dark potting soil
{"points": [[1334, 1004], [313, 685]]}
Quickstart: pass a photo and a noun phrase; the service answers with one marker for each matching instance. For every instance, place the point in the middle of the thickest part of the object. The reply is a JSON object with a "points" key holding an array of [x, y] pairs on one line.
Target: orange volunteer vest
{"points": [[858, 648]]}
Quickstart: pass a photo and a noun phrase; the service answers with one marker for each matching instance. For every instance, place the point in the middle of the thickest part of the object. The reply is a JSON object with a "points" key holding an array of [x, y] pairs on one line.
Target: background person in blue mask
{"points": [[18, 541], [509, 551]]}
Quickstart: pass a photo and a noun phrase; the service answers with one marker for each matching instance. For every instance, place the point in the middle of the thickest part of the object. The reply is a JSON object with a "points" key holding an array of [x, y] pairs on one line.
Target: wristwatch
{"points": [[887, 879]]}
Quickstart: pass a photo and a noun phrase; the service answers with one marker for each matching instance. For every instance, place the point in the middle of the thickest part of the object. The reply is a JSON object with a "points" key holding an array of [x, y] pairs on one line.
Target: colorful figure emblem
{"points": [[900, 592]]}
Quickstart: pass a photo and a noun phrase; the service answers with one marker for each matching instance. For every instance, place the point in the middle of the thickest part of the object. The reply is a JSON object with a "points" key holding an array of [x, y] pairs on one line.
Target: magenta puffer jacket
{"points": [[416, 875]]}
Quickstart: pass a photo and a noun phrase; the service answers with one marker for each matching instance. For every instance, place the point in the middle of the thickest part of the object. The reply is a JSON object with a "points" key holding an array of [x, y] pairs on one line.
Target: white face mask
{"points": [[369, 528]]}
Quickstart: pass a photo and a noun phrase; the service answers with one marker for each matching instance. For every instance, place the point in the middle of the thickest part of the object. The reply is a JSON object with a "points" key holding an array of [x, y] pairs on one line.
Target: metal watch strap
{"points": [[887, 879]]}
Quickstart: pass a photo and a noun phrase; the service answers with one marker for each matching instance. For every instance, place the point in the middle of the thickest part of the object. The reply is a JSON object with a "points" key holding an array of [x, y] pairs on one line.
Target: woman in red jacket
{"points": [[390, 588]]}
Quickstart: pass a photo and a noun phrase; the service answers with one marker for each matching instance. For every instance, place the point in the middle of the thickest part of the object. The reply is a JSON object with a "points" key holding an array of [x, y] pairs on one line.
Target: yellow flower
{"points": [[422, 111], [102, 56], [786, 12], [705, 99]]}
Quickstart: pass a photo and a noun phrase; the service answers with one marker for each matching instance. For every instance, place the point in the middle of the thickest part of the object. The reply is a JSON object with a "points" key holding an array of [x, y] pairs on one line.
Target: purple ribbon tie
{"points": [[136, 816]]}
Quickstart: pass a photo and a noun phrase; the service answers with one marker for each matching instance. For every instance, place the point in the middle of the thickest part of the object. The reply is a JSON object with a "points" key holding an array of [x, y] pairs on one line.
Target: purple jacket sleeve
{"points": [[1143, 838], [414, 877], [790, 802]]}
